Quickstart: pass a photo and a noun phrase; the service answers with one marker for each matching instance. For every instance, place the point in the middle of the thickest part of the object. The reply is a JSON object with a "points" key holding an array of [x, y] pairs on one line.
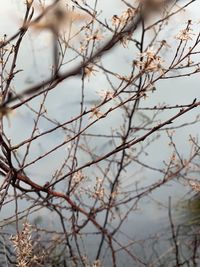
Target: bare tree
{"points": [[81, 124]]}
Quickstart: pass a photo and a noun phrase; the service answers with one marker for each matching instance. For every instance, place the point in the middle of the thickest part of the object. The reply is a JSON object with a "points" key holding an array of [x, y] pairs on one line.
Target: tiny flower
{"points": [[97, 263], [88, 70], [116, 21], [127, 14], [96, 113], [122, 21], [106, 94], [125, 40], [96, 37], [184, 35]]}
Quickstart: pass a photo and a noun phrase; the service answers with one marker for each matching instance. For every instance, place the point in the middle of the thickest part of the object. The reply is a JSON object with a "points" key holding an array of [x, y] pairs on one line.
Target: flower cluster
{"points": [[24, 247], [77, 178], [194, 185], [150, 61], [99, 191]]}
